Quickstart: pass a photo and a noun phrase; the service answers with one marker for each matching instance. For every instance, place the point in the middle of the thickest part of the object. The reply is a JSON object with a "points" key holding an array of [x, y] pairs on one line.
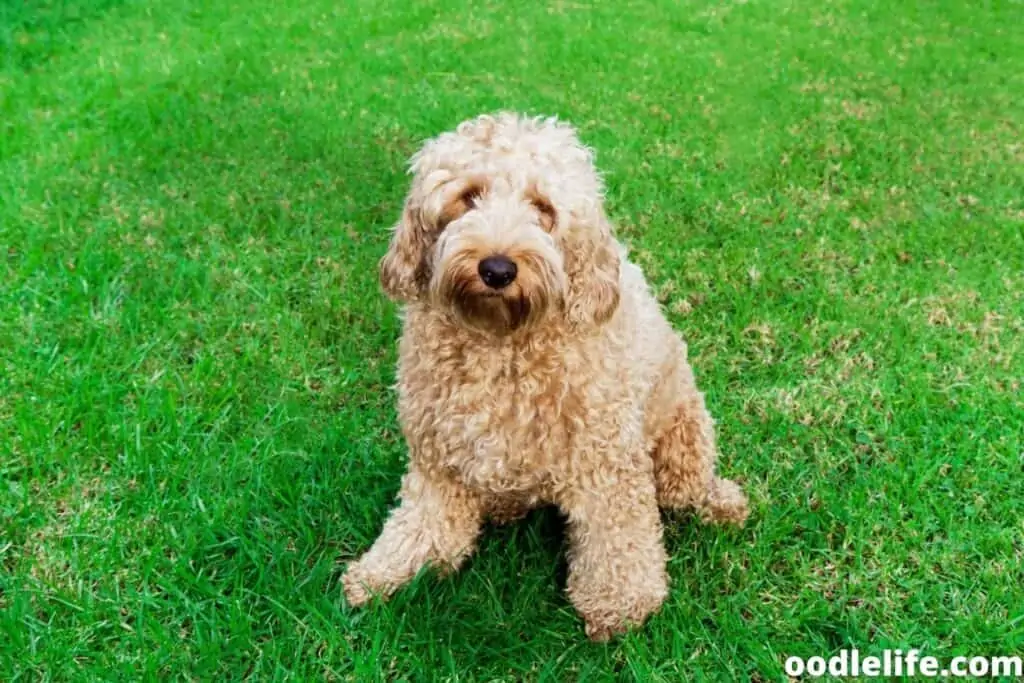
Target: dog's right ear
{"points": [[432, 204], [403, 269]]}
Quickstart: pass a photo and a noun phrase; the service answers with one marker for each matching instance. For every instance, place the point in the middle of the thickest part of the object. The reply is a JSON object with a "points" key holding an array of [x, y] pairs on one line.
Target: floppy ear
{"points": [[403, 269], [592, 267]]}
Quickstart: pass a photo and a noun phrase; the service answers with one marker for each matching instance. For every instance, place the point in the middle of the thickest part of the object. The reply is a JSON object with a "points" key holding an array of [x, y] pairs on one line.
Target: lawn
{"points": [[197, 427]]}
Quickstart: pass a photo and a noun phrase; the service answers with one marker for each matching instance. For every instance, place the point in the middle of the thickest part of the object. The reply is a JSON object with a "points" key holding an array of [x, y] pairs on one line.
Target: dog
{"points": [[536, 367]]}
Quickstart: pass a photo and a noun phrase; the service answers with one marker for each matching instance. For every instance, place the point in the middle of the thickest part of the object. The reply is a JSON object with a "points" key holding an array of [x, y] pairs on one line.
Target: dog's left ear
{"points": [[592, 264]]}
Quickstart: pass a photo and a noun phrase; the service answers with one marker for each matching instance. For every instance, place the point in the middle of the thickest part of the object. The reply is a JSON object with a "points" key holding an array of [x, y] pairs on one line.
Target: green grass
{"points": [[196, 425]]}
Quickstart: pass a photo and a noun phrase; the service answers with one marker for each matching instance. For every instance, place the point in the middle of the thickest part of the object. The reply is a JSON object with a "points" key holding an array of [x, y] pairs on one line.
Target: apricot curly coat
{"points": [[565, 386]]}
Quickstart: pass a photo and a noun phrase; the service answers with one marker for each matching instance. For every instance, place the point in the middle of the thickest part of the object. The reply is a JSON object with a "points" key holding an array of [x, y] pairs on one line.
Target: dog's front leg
{"points": [[616, 557], [436, 523]]}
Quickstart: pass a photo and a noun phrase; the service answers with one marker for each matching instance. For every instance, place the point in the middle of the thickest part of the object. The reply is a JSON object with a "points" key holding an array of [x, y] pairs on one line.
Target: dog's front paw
{"points": [[603, 625], [601, 630], [616, 609], [357, 586]]}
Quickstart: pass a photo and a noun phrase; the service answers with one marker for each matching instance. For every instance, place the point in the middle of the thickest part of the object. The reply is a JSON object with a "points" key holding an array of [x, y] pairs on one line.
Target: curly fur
{"points": [[567, 387]]}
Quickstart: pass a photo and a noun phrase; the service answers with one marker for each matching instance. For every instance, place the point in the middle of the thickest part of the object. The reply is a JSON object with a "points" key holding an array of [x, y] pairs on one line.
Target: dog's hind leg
{"points": [[684, 462]]}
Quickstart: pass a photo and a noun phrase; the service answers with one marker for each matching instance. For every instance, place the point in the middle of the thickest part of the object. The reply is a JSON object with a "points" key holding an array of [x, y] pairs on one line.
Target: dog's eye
{"points": [[461, 204], [548, 215], [471, 194]]}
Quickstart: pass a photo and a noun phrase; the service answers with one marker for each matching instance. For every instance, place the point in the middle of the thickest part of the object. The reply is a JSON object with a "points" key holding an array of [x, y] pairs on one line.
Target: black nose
{"points": [[497, 271]]}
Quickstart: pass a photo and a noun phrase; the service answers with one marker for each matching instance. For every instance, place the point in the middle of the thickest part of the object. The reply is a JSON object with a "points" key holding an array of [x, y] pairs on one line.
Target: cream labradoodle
{"points": [[536, 367]]}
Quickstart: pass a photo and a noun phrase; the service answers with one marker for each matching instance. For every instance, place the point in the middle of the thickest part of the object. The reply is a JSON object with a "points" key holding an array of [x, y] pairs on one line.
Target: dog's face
{"points": [[494, 260], [504, 228]]}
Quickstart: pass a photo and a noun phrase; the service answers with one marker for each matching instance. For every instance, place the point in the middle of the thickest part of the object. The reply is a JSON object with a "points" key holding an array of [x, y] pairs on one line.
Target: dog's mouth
{"points": [[506, 308], [481, 307], [497, 311]]}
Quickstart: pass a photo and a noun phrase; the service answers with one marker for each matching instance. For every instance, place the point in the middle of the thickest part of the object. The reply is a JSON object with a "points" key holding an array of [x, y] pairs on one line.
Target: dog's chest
{"points": [[499, 420]]}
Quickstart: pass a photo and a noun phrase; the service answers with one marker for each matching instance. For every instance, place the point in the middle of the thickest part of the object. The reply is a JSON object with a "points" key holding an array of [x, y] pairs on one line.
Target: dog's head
{"points": [[504, 226]]}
